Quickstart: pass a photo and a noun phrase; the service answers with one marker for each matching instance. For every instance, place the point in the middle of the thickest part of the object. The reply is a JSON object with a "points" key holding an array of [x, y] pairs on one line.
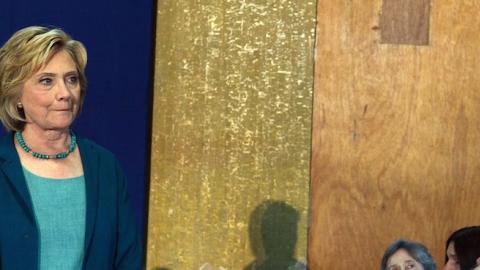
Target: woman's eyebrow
{"points": [[51, 74], [411, 261], [46, 74], [73, 72]]}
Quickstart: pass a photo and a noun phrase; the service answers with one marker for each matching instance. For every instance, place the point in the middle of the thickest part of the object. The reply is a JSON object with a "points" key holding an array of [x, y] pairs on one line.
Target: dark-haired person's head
{"points": [[405, 254], [463, 249]]}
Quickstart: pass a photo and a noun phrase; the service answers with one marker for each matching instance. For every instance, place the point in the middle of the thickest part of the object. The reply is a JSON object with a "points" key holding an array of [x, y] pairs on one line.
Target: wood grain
{"points": [[396, 133], [405, 22]]}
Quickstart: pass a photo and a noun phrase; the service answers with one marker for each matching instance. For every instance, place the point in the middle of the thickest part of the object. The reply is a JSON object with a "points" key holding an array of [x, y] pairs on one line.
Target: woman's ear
{"points": [[478, 264]]}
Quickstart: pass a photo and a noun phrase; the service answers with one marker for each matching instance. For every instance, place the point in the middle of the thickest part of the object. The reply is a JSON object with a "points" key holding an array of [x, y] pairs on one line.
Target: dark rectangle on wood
{"points": [[405, 22]]}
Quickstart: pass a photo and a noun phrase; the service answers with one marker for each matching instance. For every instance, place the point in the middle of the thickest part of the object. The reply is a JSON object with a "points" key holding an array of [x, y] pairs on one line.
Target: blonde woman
{"points": [[63, 199]]}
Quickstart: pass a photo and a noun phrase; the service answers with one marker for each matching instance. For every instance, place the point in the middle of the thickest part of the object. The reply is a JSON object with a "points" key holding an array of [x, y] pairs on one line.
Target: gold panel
{"points": [[231, 134]]}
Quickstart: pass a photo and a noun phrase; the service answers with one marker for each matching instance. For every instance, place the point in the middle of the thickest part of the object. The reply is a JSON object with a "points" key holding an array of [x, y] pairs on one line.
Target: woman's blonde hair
{"points": [[26, 52]]}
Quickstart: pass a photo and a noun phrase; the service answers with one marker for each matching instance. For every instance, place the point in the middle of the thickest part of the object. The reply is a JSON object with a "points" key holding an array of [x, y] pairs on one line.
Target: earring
{"points": [[19, 105]]}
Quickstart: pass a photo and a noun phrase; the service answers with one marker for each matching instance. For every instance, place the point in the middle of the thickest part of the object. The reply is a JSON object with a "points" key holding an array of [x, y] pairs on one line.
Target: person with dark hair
{"points": [[63, 199], [273, 236], [463, 249], [407, 255]]}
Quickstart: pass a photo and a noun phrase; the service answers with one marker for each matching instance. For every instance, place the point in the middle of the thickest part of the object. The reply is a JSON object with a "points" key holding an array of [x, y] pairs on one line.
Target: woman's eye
{"points": [[72, 80], [46, 81], [410, 266]]}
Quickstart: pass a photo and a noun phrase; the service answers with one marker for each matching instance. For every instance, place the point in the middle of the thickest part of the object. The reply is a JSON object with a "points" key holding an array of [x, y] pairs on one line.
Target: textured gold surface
{"points": [[231, 133]]}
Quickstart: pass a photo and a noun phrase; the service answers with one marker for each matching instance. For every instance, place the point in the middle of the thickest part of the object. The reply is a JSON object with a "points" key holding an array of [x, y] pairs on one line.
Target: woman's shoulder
{"points": [[7, 148], [97, 157], [89, 147], [6, 138]]}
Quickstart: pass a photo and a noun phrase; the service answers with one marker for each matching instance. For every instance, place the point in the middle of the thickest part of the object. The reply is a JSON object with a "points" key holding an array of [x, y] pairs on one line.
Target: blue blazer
{"points": [[111, 238]]}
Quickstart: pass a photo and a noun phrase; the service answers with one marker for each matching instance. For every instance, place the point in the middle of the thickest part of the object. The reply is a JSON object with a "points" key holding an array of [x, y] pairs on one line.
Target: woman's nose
{"points": [[63, 92]]}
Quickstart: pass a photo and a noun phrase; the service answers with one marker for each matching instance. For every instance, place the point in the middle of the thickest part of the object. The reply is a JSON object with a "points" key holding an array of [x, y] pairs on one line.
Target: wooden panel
{"points": [[405, 22], [231, 133], [396, 133]]}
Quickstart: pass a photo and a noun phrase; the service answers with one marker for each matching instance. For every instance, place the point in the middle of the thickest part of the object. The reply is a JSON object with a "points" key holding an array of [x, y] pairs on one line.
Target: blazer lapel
{"points": [[11, 167], [89, 162]]}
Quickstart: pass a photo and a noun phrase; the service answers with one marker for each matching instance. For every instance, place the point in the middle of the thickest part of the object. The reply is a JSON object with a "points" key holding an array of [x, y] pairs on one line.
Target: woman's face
{"points": [[51, 96], [452, 261], [401, 260]]}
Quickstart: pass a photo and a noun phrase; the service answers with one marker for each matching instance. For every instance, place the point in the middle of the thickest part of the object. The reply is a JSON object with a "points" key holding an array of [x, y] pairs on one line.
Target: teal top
{"points": [[60, 208]]}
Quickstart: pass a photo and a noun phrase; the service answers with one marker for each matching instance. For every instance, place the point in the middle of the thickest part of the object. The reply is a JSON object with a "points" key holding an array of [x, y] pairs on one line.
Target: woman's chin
{"points": [[53, 125]]}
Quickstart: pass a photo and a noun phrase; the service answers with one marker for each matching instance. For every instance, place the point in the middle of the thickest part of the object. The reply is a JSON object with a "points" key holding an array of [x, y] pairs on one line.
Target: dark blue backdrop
{"points": [[119, 39]]}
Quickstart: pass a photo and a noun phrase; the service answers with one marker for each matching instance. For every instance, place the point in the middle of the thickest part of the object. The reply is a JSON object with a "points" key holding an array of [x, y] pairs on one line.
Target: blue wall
{"points": [[119, 39]]}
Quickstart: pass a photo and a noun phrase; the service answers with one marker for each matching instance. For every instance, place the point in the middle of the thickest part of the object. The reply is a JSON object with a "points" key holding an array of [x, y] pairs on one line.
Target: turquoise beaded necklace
{"points": [[61, 155]]}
